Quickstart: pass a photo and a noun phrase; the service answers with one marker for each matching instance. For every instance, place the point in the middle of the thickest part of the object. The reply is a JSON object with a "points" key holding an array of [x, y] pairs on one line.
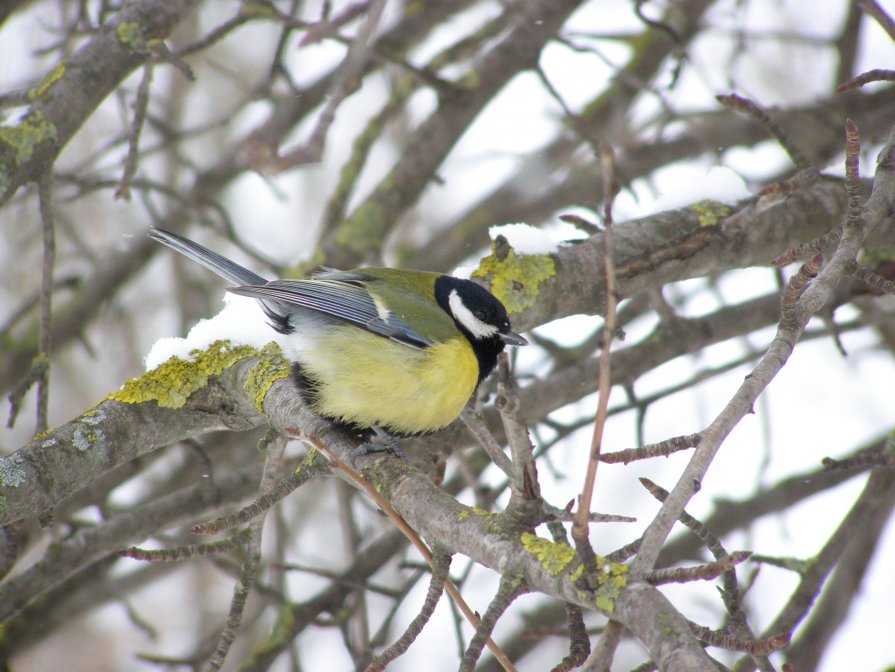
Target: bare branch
{"points": [[66, 97], [441, 565], [750, 107], [882, 18]]}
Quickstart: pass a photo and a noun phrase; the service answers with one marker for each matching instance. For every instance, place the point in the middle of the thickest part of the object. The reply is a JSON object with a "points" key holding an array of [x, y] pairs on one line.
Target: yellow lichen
{"points": [[553, 557], [24, 137], [710, 213], [47, 82], [604, 602], [372, 472], [612, 572], [515, 278], [172, 383], [314, 460], [130, 33], [470, 511], [383, 481], [413, 8], [41, 435], [257, 10], [272, 366], [611, 578]]}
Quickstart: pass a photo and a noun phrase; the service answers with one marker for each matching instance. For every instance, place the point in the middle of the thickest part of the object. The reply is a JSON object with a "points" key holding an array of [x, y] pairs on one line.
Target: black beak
{"points": [[512, 338]]}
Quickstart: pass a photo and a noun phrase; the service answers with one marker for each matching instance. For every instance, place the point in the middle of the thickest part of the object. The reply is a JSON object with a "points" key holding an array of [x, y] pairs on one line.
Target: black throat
{"points": [[486, 352]]}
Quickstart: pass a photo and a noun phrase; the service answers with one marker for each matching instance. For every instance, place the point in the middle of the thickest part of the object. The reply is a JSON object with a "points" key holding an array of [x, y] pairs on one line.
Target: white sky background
{"points": [[789, 432]]}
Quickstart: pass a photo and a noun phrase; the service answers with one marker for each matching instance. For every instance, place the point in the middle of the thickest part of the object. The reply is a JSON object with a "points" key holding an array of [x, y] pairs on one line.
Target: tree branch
{"points": [[70, 93]]}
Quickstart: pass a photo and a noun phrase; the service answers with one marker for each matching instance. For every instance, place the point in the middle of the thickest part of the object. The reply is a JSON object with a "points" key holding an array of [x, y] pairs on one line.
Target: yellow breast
{"points": [[367, 380]]}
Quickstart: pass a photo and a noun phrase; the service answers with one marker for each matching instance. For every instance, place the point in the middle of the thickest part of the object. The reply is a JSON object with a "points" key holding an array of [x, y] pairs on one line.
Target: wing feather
{"points": [[340, 295]]}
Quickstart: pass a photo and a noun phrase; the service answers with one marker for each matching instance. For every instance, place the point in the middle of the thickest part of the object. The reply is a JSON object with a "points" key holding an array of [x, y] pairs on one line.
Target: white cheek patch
{"points": [[464, 316]]}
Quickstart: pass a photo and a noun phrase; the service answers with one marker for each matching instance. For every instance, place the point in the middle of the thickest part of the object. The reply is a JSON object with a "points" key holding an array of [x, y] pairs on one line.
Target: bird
{"points": [[382, 352]]}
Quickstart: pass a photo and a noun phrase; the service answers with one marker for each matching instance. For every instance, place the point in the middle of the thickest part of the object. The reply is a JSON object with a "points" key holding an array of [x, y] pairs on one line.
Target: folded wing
{"points": [[341, 295]]}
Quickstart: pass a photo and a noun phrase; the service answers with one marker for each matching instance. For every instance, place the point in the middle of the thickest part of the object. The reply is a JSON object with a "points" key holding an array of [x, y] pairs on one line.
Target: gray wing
{"points": [[341, 295]]}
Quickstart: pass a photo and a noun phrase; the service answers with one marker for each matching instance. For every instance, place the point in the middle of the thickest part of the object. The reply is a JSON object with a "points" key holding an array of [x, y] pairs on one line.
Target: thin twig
{"points": [[722, 640], [248, 572], [712, 543], [625, 552], [509, 589], [875, 280], [187, 552], [313, 466], [704, 572], [724, 564], [219, 32], [141, 105], [882, 18], [861, 461], [754, 110], [797, 565], [328, 26], [876, 75], [346, 82], [660, 449], [566, 516], [817, 246], [37, 371], [524, 487], [441, 563], [794, 289], [730, 591], [604, 650], [581, 528], [45, 195], [852, 171], [475, 424], [663, 26]]}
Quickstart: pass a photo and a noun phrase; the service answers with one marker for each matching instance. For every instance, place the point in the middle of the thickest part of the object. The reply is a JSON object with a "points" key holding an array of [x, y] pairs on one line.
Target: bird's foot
{"points": [[380, 442]]}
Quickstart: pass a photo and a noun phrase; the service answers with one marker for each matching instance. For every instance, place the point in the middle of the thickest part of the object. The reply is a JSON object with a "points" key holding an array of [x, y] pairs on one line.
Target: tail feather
{"points": [[225, 268], [277, 312]]}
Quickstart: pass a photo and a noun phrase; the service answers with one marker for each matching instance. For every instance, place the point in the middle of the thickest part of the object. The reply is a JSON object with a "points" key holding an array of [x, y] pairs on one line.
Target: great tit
{"points": [[376, 349]]}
